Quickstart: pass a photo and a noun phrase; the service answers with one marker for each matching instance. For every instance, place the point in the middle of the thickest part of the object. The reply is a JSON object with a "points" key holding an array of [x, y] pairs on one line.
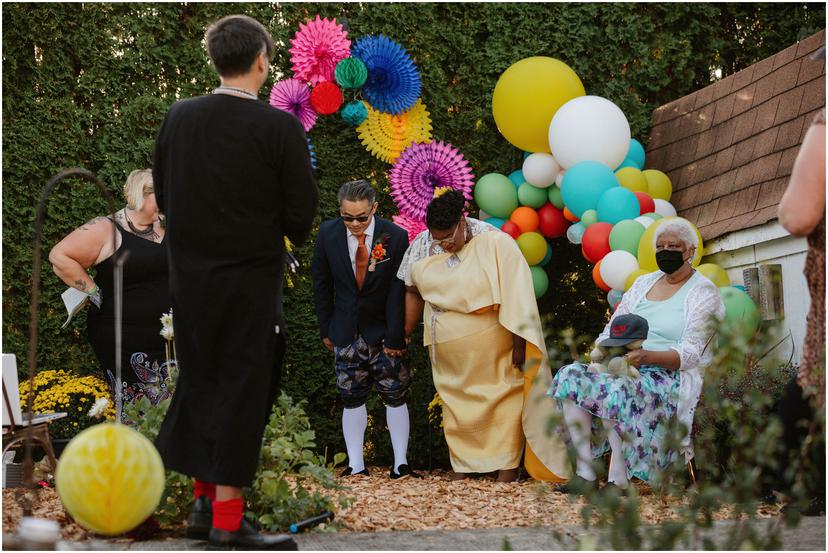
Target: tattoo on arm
{"points": [[90, 223], [80, 285]]}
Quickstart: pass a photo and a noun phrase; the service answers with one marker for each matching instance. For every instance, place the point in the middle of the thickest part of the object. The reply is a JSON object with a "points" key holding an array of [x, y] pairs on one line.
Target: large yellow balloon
{"points": [[632, 179], [646, 248], [715, 273], [110, 478], [526, 97], [658, 184], [634, 275]]}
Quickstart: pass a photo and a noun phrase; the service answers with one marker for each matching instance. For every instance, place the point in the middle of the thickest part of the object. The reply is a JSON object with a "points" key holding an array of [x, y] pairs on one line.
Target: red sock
{"points": [[227, 515], [203, 488]]}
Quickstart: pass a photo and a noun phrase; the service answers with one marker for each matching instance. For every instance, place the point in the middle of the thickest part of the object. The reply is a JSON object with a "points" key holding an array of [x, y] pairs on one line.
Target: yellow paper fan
{"points": [[386, 136]]}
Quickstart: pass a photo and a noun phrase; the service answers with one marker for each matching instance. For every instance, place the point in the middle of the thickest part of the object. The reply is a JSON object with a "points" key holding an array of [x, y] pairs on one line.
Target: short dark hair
{"points": [[356, 191], [445, 211], [233, 42]]}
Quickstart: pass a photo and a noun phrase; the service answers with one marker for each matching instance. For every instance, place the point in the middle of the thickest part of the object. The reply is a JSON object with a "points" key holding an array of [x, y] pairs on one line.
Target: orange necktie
{"points": [[361, 261]]}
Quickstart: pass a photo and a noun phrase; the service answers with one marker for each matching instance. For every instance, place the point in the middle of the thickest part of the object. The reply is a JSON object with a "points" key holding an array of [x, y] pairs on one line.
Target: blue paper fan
{"points": [[393, 83], [312, 153]]}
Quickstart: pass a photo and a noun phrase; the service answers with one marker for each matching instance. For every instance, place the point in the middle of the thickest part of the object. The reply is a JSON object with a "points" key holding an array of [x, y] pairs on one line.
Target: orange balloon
{"points": [[525, 218], [569, 216], [596, 276]]}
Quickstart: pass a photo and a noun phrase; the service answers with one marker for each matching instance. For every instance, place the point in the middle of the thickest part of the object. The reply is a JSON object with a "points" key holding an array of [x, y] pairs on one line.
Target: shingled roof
{"points": [[729, 148]]}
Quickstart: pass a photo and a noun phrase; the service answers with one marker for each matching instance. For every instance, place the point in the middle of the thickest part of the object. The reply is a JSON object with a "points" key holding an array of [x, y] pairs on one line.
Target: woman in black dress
{"points": [[145, 370]]}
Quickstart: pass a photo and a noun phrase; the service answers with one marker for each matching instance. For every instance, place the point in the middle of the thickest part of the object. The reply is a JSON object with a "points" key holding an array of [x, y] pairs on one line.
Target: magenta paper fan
{"points": [[316, 49], [412, 227], [293, 96], [423, 167]]}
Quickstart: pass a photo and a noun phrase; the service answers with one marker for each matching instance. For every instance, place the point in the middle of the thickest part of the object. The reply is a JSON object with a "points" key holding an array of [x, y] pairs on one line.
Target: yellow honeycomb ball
{"points": [[110, 478]]}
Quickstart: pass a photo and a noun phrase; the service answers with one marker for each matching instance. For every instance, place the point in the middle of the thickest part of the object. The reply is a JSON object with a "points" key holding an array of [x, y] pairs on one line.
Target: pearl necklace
{"points": [[233, 91]]}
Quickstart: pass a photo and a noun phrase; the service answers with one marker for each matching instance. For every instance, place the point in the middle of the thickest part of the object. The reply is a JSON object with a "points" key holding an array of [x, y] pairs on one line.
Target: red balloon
{"points": [[511, 229], [646, 202], [596, 277], [596, 241], [552, 221]]}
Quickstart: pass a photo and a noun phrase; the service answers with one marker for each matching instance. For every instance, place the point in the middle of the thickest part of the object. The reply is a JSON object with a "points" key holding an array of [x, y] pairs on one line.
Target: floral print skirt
{"points": [[640, 409]]}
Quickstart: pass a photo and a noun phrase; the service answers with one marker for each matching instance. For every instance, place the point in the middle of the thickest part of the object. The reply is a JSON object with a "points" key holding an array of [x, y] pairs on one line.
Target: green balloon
{"points": [[740, 310], [555, 197], [496, 195], [531, 196], [654, 216], [625, 235], [589, 217], [540, 281]]}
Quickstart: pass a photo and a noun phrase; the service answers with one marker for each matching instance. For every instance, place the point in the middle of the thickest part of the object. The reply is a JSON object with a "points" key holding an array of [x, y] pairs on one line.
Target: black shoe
{"points": [[814, 507], [248, 538], [201, 518], [403, 471], [576, 486], [350, 472]]}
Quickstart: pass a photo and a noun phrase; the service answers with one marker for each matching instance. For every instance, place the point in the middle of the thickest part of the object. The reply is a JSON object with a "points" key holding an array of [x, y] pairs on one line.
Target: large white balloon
{"points": [[664, 208], [644, 220], [616, 266], [540, 170], [559, 178], [589, 128]]}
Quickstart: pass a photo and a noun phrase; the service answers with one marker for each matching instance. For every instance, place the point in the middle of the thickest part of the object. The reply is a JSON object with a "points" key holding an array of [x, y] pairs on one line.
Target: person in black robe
{"points": [[233, 177]]}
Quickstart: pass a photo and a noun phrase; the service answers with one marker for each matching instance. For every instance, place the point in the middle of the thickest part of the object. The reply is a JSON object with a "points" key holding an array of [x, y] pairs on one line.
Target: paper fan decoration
{"points": [[311, 153], [326, 98], [393, 83], [316, 49], [423, 167], [412, 227], [293, 96], [386, 136], [354, 113]]}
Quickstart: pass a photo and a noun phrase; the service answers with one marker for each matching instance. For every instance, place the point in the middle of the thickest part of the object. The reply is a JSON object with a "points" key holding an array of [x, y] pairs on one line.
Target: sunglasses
{"points": [[351, 218]]}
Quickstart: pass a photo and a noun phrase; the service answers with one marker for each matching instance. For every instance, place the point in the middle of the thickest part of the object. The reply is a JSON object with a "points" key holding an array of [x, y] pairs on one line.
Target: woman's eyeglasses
{"points": [[450, 241]]}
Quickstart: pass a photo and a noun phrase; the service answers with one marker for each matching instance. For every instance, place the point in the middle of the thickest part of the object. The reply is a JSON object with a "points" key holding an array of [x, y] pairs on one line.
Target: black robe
{"points": [[233, 177]]}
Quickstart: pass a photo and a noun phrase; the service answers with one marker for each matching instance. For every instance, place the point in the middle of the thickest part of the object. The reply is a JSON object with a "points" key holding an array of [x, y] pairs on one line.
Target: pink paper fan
{"points": [[316, 49], [293, 96], [412, 227], [423, 167]]}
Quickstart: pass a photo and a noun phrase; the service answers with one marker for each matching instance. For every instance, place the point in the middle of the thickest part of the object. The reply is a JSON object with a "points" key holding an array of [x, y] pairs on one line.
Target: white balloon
{"points": [[644, 220], [559, 178], [589, 128], [664, 208], [616, 266], [540, 170]]}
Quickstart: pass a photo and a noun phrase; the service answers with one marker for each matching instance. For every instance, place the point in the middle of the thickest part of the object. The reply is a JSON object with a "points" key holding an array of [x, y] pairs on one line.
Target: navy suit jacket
{"points": [[377, 311]]}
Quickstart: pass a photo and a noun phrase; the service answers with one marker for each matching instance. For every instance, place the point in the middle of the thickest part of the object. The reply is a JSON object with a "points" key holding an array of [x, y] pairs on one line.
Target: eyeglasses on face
{"points": [[351, 218], [451, 240]]}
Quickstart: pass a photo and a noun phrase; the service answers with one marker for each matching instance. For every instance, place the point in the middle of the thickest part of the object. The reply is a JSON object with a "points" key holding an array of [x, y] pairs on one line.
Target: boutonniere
{"points": [[379, 253]]}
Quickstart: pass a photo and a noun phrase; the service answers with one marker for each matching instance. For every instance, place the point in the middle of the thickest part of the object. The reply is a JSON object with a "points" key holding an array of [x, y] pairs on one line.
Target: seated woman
{"points": [[678, 303], [481, 325]]}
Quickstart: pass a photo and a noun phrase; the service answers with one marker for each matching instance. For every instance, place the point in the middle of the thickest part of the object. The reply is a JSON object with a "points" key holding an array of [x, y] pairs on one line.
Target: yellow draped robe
{"points": [[490, 408]]}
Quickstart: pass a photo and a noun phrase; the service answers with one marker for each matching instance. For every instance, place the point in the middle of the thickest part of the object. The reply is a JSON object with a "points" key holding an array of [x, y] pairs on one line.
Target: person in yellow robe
{"points": [[472, 288]]}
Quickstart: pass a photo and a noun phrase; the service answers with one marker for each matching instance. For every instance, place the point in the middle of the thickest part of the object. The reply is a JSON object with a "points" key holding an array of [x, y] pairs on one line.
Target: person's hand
{"points": [[391, 352], [636, 357], [328, 343]]}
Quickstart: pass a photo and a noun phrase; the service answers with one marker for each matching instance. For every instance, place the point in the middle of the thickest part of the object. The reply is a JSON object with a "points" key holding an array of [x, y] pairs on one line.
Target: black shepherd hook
{"points": [[28, 480]]}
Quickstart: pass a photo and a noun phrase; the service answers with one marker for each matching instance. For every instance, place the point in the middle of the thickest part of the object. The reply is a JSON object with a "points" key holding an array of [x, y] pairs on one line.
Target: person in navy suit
{"points": [[360, 304]]}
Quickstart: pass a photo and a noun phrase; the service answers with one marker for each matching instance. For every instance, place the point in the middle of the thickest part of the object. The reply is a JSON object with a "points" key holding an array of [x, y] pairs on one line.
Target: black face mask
{"points": [[669, 261]]}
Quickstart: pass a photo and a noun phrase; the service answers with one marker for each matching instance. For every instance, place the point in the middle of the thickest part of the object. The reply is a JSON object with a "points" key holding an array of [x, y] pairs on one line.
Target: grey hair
{"points": [[137, 186], [356, 191], [680, 227]]}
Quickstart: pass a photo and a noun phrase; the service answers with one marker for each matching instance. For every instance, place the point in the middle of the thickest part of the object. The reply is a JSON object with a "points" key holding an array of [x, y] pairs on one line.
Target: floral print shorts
{"points": [[359, 366]]}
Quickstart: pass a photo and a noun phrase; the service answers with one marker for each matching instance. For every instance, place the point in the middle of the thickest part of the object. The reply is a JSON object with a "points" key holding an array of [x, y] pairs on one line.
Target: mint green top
{"points": [[666, 319]]}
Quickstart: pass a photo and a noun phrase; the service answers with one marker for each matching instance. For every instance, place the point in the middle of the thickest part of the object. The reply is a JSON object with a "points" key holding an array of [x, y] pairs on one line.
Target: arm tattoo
{"points": [[80, 285], [90, 223]]}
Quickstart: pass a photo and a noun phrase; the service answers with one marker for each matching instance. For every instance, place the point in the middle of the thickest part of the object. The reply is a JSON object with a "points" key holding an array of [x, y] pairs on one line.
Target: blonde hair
{"points": [[137, 186]]}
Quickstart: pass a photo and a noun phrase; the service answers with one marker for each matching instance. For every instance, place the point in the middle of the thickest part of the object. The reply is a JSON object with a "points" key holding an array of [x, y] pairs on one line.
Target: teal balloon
{"points": [[517, 177], [548, 257], [589, 217], [636, 153], [625, 235], [555, 197], [739, 287], [617, 204], [614, 296], [527, 154], [654, 216], [496, 195], [540, 281], [496, 222], [740, 310], [532, 196], [584, 184]]}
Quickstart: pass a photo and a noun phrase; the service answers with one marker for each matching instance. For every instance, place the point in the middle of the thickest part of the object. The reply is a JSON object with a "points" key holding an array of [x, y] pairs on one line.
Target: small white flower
{"points": [[167, 333], [167, 326], [99, 407]]}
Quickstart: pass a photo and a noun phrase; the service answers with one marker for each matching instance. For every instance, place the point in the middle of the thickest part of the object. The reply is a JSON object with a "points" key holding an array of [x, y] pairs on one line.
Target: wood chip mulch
{"points": [[46, 504]]}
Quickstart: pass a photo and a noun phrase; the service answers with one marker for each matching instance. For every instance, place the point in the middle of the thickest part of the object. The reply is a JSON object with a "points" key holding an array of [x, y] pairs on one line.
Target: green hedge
{"points": [[88, 84]]}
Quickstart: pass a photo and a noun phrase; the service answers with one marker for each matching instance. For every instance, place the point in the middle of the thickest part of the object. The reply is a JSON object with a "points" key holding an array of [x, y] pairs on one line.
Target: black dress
{"points": [[144, 369], [233, 177]]}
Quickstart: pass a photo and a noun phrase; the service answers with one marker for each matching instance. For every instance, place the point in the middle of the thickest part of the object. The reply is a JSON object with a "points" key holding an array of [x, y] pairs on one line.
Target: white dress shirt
{"points": [[353, 242]]}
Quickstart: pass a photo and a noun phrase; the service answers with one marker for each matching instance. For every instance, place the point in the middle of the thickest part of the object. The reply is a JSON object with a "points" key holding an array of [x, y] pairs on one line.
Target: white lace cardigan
{"points": [[701, 304]]}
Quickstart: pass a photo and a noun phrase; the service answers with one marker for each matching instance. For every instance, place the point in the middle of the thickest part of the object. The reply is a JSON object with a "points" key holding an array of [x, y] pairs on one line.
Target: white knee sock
{"points": [[618, 468], [579, 423], [398, 427], [354, 423]]}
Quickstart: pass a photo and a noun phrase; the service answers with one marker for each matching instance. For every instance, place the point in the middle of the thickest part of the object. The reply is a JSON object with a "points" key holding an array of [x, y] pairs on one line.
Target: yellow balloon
{"points": [[632, 179], [646, 248], [533, 247], [526, 97], [715, 273], [110, 478], [634, 275], [658, 184]]}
